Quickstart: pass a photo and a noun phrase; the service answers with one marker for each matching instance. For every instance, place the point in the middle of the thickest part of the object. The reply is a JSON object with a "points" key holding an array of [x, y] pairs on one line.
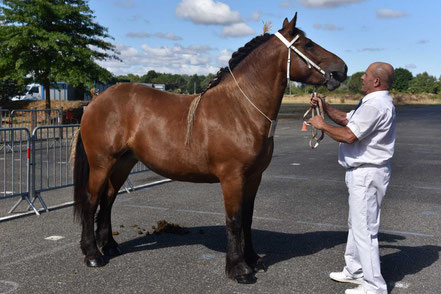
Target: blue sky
{"points": [[199, 36]]}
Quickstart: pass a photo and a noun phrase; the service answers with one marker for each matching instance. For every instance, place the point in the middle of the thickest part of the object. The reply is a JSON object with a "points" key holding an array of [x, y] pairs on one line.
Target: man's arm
{"points": [[339, 134], [339, 117]]}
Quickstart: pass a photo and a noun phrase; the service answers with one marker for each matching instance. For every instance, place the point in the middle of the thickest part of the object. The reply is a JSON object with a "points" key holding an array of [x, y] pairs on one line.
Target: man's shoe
{"points": [[341, 277]]}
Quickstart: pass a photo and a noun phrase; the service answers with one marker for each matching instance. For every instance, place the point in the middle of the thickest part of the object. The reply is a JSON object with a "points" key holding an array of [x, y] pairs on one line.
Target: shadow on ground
{"points": [[278, 247]]}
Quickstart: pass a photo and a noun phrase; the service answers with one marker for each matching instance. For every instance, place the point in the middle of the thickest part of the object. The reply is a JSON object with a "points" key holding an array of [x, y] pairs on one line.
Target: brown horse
{"points": [[228, 143]]}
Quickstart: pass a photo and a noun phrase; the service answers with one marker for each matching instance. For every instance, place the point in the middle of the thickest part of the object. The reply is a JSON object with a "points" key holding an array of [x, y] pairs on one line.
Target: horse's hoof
{"points": [[112, 251], [95, 262], [246, 279], [260, 267]]}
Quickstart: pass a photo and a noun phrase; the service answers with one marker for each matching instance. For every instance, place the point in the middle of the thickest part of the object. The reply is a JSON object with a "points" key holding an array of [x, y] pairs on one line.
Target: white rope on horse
{"points": [[314, 142], [273, 122]]}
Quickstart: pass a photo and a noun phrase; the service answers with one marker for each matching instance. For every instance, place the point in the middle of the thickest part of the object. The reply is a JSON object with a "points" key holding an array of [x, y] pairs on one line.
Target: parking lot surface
{"points": [[300, 226]]}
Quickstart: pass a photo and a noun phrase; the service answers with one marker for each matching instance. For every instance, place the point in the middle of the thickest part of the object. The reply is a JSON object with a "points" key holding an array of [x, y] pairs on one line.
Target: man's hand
{"points": [[317, 122], [314, 100]]}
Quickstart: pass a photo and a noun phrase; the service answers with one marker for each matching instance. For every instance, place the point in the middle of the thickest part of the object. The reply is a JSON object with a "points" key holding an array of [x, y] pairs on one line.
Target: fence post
{"points": [[33, 119], [60, 121]]}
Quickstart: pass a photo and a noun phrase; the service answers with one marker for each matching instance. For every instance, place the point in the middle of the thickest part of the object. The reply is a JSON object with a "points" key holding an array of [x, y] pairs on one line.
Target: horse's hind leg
{"points": [[236, 267], [250, 191], [96, 186], [117, 178]]}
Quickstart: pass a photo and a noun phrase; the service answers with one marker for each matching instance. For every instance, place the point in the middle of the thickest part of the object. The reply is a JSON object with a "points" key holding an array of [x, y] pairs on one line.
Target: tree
{"points": [[424, 83], [194, 84], [355, 82], [52, 40], [148, 78], [9, 89], [402, 79]]}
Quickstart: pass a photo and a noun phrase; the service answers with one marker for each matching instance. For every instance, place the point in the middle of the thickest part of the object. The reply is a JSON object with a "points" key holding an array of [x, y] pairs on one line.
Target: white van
{"points": [[36, 91]]}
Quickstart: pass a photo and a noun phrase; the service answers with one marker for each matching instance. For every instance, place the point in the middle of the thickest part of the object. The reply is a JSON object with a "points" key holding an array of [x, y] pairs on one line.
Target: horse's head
{"points": [[310, 63]]}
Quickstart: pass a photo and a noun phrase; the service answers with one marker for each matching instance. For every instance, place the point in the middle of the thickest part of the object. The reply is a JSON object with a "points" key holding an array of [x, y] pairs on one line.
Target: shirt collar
{"points": [[375, 94]]}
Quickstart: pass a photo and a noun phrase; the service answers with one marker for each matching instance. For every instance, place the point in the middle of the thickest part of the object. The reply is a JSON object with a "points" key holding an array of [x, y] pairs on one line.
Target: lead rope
{"points": [[314, 142]]}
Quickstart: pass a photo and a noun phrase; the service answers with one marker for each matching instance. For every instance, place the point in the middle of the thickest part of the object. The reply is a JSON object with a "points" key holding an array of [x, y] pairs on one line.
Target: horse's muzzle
{"points": [[335, 76]]}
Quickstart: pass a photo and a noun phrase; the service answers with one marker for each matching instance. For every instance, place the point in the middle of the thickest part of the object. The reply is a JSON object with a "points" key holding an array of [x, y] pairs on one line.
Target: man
{"points": [[367, 137]]}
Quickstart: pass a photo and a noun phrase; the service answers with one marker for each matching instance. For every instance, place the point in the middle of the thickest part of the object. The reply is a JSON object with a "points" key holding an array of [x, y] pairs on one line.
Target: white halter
{"points": [[308, 61]]}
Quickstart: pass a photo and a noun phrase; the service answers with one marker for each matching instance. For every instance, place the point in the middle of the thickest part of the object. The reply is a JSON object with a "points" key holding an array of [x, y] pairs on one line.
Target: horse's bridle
{"points": [[315, 140], [290, 45], [326, 76]]}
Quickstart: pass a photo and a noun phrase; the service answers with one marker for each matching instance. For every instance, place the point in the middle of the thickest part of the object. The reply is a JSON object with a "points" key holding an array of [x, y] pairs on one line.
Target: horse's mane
{"points": [[240, 54], [236, 58]]}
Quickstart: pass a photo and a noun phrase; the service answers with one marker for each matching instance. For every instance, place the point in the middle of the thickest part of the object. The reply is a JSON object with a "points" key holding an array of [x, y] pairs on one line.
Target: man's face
{"points": [[368, 81]]}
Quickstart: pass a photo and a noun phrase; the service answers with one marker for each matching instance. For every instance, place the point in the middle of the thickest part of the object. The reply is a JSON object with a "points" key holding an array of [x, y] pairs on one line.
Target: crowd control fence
{"points": [[35, 162]]}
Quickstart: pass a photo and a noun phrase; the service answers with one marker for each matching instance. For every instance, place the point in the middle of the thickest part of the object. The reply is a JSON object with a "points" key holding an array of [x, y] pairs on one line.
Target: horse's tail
{"points": [[80, 175]]}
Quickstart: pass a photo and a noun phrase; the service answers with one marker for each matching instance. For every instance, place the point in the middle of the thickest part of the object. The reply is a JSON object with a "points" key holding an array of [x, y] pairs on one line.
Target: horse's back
{"points": [[147, 121]]}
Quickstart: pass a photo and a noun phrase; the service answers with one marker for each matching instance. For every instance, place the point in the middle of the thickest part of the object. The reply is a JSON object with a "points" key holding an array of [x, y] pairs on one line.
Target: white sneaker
{"points": [[341, 277], [358, 290]]}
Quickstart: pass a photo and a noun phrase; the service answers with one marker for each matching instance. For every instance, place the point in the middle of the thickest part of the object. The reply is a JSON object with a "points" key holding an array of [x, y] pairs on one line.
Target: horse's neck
{"points": [[261, 80]]}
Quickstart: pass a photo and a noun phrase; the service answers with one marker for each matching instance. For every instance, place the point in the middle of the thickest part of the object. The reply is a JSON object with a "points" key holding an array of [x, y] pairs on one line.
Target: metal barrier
{"points": [[51, 147], [32, 118], [5, 122], [15, 165], [30, 165], [5, 118]]}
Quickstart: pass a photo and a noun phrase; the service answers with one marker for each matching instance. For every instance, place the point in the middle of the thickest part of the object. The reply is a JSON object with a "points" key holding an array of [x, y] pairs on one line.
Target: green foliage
{"points": [[402, 79], [52, 41], [424, 83], [355, 82], [9, 89]]}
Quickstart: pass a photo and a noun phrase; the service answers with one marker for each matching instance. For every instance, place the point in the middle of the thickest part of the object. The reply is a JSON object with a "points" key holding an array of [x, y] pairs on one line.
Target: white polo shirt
{"points": [[373, 123]]}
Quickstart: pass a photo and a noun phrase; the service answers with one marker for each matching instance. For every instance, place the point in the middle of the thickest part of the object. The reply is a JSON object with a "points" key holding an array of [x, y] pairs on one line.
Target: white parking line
{"points": [[9, 284]]}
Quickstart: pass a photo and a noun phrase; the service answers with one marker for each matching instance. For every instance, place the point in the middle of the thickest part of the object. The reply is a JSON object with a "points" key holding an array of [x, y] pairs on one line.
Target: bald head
{"points": [[385, 72], [378, 76]]}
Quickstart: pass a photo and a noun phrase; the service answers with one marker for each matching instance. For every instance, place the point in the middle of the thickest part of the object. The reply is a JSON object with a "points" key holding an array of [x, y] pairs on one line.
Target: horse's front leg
{"points": [[250, 191], [236, 267]]}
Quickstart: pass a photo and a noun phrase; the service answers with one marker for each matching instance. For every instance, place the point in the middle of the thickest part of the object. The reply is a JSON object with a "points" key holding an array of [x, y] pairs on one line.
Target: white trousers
{"points": [[367, 186]]}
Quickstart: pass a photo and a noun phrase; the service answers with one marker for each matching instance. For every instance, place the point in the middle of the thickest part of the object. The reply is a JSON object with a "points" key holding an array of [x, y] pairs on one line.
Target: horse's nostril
{"points": [[339, 75]]}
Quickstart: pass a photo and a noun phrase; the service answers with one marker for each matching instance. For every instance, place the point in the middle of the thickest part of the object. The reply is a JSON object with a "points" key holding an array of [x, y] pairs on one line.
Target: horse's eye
{"points": [[309, 45]]}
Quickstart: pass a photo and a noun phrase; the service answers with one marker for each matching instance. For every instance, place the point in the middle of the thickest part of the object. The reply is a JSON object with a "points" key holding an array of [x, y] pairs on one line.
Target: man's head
{"points": [[377, 77]]}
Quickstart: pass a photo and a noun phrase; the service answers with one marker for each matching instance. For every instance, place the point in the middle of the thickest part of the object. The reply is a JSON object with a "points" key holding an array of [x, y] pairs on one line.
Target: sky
{"points": [[199, 36]]}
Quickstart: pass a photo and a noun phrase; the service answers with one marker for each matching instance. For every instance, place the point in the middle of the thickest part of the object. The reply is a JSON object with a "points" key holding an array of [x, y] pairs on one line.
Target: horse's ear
{"points": [[285, 23], [290, 26], [294, 20]]}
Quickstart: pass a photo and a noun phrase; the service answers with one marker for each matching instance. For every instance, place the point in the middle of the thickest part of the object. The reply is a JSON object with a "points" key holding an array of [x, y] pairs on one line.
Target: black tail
{"points": [[80, 178]]}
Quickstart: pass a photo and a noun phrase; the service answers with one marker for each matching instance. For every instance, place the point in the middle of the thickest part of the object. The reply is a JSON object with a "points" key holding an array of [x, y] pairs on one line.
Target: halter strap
{"points": [[290, 45]]}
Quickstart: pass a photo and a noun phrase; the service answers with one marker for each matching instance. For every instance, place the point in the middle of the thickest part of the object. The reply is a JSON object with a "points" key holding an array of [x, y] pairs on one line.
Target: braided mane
{"points": [[237, 57]]}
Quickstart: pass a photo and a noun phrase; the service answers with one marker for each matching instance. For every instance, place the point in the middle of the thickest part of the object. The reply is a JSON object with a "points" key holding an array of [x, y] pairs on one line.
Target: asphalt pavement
{"points": [[300, 226]]}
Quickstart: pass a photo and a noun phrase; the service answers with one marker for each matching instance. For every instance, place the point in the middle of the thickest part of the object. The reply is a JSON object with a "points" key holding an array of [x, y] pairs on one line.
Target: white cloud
{"points": [[327, 27], [125, 3], [207, 12], [139, 35], [256, 15], [326, 3], [143, 35], [169, 36], [423, 42], [224, 57], [195, 59], [389, 13], [371, 49], [237, 30], [410, 66], [285, 4]]}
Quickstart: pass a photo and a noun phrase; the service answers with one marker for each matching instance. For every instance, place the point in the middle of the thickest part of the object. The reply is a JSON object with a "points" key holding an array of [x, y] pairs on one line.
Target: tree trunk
{"points": [[47, 94]]}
